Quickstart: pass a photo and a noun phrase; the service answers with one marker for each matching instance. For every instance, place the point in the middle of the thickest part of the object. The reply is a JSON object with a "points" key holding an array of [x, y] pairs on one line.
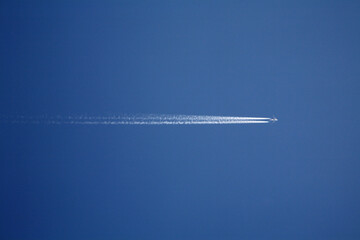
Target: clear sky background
{"points": [[296, 179]]}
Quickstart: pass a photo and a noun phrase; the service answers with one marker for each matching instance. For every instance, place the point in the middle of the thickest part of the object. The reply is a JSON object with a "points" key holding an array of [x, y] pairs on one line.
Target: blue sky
{"points": [[298, 178]]}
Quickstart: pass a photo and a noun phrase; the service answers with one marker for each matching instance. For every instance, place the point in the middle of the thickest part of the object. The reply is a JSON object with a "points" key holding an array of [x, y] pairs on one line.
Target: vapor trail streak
{"points": [[150, 119]]}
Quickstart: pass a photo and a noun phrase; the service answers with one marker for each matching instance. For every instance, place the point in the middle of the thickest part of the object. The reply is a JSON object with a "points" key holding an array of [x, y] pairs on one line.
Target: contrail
{"points": [[144, 119]]}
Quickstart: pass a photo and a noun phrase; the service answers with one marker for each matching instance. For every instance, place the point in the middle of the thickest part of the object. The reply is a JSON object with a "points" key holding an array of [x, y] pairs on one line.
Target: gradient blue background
{"points": [[296, 179]]}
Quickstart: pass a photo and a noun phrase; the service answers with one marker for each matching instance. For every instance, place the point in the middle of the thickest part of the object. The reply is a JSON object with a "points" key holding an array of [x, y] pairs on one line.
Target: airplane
{"points": [[274, 119]]}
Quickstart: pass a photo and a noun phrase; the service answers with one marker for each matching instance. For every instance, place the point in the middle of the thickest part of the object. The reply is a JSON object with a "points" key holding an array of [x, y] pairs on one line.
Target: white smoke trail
{"points": [[149, 119], [169, 117], [152, 122]]}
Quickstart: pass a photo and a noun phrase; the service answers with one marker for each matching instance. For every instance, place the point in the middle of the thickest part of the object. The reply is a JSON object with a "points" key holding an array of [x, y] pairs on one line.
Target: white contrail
{"points": [[149, 119], [164, 122], [168, 117]]}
